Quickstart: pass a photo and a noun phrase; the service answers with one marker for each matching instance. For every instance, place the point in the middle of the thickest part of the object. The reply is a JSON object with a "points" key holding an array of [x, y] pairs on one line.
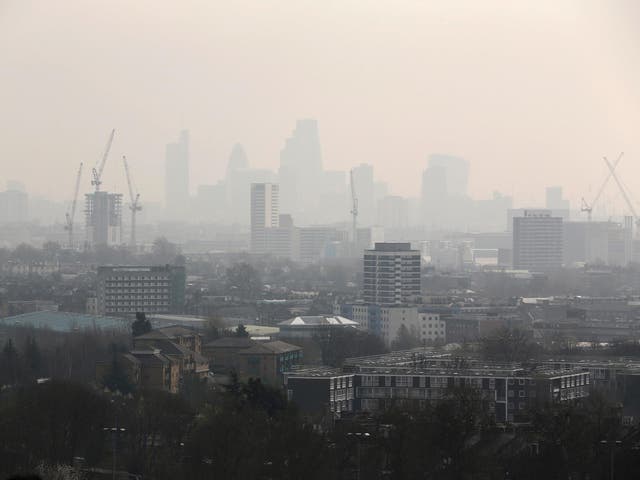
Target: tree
{"points": [[32, 357], [244, 280], [116, 378], [164, 251], [141, 325], [405, 339], [213, 328], [9, 364], [241, 331], [510, 345], [25, 253]]}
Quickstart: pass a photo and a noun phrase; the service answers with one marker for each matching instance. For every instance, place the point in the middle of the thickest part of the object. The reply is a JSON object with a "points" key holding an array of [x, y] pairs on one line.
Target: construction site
{"points": [[103, 210]]}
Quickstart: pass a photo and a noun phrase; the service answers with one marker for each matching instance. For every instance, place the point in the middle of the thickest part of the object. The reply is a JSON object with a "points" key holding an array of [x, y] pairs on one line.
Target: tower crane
{"points": [[623, 191], [354, 210], [70, 215], [588, 207], [96, 172], [134, 205]]}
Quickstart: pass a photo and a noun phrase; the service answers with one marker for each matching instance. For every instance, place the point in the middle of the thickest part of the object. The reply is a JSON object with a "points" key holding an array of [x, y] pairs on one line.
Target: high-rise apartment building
{"points": [[125, 290], [537, 241], [177, 177], [391, 274], [265, 214]]}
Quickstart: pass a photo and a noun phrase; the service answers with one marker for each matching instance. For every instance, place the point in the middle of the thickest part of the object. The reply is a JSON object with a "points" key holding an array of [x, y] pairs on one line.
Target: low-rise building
{"points": [[126, 290], [248, 358], [312, 325], [417, 378]]}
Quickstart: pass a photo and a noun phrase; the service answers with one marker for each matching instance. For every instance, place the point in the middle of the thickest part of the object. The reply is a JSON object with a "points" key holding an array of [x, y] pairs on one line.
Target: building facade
{"points": [[537, 241], [265, 215], [126, 290], [391, 274], [103, 217]]}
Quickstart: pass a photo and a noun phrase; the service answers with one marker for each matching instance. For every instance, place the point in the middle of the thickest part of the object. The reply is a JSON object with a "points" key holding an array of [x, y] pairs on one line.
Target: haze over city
{"points": [[530, 93]]}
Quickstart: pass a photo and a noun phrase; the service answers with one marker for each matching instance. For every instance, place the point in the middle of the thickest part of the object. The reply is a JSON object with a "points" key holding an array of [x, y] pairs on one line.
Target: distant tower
{"points": [[391, 274], [103, 215], [300, 170], [177, 177], [265, 214]]}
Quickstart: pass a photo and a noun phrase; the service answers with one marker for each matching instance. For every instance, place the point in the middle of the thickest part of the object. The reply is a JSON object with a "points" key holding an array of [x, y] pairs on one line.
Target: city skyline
{"points": [[574, 104]]}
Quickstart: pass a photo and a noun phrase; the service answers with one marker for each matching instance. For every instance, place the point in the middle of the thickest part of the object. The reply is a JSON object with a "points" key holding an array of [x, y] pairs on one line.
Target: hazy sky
{"points": [[532, 93]]}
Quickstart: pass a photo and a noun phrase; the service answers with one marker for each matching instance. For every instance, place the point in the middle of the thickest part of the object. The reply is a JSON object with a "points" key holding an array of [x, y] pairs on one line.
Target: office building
{"points": [[555, 201], [13, 205], [103, 218], [265, 215], [177, 177], [237, 205], [125, 290], [456, 172], [391, 274], [537, 241], [300, 173], [393, 212], [365, 193]]}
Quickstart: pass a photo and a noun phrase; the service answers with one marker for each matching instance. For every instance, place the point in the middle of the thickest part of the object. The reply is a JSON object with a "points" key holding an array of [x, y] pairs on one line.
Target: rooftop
{"points": [[318, 320], [66, 321]]}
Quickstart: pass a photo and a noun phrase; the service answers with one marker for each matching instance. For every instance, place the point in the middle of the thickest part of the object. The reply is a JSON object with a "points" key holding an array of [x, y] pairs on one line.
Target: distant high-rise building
{"points": [[457, 172], [14, 205], [265, 214], [300, 171], [554, 201], [103, 218], [537, 241], [365, 192], [434, 195], [177, 177], [391, 274], [238, 186], [393, 212]]}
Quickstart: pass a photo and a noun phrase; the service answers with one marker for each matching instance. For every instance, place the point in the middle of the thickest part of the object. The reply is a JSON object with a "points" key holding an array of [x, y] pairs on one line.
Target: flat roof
{"points": [[66, 321]]}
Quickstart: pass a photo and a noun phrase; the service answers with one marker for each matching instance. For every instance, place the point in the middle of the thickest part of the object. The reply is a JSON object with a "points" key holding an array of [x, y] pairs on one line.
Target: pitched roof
{"points": [[171, 332], [318, 320], [231, 342], [274, 347]]}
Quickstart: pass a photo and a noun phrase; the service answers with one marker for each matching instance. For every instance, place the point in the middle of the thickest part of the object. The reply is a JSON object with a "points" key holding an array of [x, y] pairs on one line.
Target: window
{"points": [[510, 393], [521, 393], [403, 381], [511, 381], [522, 405], [511, 406], [521, 381]]}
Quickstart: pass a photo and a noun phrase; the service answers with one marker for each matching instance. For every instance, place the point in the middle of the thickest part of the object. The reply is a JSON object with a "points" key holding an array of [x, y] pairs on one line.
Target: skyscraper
{"points": [[300, 170], [177, 177], [537, 241], [391, 274], [265, 214], [365, 192], [457, 172]]}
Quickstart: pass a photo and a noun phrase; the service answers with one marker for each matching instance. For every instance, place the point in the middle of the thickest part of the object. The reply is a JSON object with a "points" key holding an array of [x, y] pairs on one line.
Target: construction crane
{"points": [[134, 206], [96, 172], [70, 215], [354, 210], [623, 191], [586, 207]]}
